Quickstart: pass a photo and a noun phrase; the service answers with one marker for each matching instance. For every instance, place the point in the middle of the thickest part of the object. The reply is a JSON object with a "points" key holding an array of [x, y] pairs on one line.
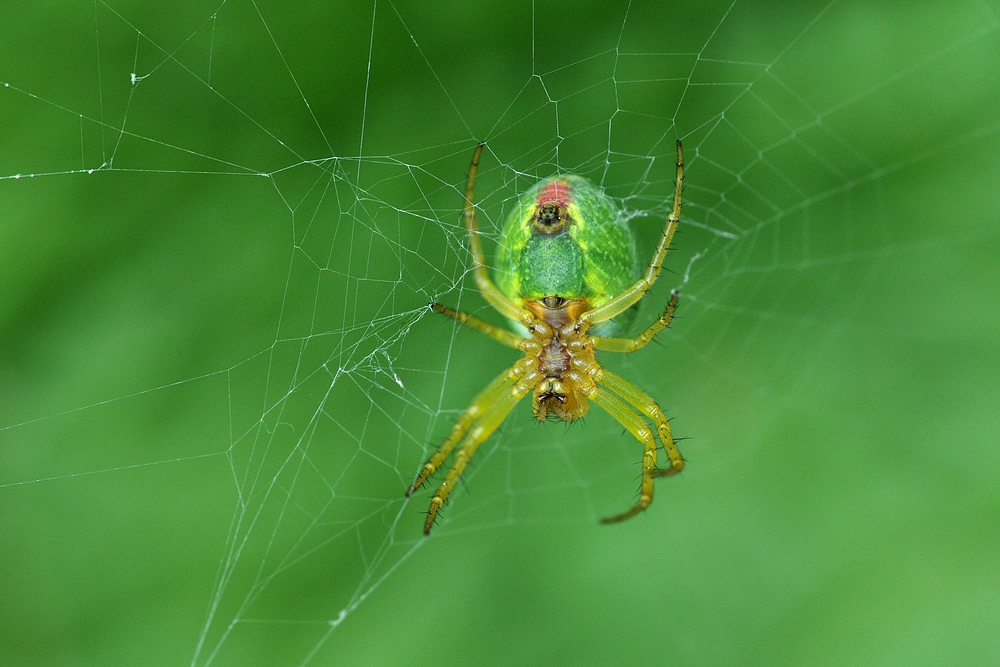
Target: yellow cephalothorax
{"points": [[566, 264]]}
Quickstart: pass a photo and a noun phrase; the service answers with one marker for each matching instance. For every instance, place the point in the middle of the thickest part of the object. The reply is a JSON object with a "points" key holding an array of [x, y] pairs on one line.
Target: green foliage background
{"points": [[840, 392]]}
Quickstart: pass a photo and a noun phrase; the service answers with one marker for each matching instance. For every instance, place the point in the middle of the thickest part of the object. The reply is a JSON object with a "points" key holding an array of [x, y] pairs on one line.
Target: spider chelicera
{"points": [[566, 264]]}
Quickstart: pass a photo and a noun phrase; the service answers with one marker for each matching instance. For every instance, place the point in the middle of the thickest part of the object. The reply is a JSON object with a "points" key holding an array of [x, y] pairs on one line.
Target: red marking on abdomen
{"points": [[557, 192]]}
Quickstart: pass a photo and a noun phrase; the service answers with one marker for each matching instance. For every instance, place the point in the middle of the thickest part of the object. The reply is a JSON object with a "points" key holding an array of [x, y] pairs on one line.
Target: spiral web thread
{"points": [[329, 420]]}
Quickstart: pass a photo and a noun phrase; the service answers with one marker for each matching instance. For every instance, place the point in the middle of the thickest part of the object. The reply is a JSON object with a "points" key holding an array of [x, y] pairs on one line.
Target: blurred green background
{"points": [[217, 375]]}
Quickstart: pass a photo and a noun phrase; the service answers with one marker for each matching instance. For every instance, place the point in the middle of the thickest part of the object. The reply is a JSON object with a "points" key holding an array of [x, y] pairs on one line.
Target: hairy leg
{"points": [[486, 287], [626, 299], [496, 333], [625, 416], [640, 341], [488, 422], [647, 406], [481, 404]]}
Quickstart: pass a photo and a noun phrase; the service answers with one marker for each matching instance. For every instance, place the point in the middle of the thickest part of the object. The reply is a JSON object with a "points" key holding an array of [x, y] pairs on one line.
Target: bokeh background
{"points": [[219, 225]]}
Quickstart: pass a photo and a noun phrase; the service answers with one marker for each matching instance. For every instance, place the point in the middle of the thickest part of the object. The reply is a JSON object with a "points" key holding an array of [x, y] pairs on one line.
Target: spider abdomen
{"points": [[566, 238], [552, 265]]}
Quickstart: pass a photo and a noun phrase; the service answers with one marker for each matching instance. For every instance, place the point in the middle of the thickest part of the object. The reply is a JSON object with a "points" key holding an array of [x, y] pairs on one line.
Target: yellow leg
{"points": [[637, 427], [626, 299], [490, 420], [496, 333], [480, 405], [647, 406], [640, 341], [486, 287]]}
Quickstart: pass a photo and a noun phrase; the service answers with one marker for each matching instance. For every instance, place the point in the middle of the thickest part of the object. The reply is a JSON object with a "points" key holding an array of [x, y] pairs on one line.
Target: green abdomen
{"points": [[551, 265], [566, 238]]}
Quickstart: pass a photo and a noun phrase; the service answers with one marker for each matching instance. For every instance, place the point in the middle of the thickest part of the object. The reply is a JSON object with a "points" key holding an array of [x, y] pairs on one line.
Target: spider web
{"points": [[235, 364]]}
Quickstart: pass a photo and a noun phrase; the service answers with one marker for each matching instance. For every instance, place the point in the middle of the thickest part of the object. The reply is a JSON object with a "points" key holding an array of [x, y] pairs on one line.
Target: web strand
{"points": [[326, 415]]}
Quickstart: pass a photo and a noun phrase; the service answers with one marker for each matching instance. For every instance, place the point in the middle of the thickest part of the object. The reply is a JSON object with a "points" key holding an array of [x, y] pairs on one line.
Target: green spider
{"points": [[566, 263]]}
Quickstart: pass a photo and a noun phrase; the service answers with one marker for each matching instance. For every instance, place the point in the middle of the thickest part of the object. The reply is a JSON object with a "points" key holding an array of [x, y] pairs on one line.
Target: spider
{"points": [[566, 264]]}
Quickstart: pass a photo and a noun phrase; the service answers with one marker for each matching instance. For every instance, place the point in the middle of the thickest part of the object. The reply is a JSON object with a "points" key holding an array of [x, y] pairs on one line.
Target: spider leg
{"points": [[627, 417], [481, 404], [647, 406], [491, 418], [626, 299], [640, 341], [490, 292], [496, 333]]}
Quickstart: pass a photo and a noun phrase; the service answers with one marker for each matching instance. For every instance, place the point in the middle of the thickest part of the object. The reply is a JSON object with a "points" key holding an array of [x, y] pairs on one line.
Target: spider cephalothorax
{"points": [[564, 355], [566, 264]]}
